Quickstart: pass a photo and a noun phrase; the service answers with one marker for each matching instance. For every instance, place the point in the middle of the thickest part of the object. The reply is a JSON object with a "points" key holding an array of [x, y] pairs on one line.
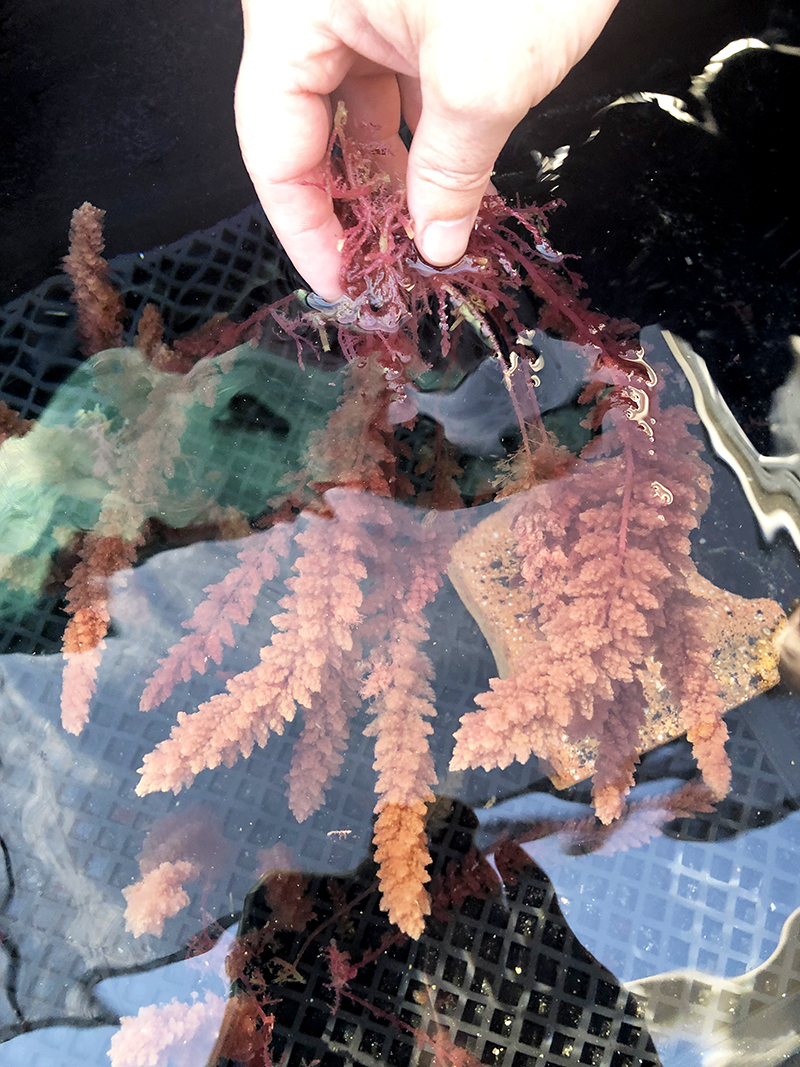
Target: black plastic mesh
{"points": [[229, 269], [512, 983], [502, 975]]}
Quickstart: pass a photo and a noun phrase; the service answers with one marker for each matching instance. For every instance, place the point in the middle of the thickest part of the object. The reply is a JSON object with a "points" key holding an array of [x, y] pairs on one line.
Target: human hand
{"points": [[461, 74]]}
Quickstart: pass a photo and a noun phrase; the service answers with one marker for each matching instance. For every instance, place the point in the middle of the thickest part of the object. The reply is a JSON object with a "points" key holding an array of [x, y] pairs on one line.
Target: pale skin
{"points": [[461, 73]]}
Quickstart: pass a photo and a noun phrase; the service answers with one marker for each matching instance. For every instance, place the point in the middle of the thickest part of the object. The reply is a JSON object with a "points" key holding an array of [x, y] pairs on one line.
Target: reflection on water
{"points": [[750, 1019], [771, 483]]}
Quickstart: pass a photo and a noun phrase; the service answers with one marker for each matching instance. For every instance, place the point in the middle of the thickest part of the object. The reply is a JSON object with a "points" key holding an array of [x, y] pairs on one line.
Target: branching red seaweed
{"points": [[603, 536]]}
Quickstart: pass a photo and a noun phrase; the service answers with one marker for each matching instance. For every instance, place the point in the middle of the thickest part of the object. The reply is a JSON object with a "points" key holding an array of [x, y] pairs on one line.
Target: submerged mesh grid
{"points": [[513, 985], [502, 976], [231, 268]]}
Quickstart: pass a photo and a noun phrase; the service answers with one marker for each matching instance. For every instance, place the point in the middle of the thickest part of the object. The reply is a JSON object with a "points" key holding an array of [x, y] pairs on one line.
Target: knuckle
{"points": [[453, 178]]}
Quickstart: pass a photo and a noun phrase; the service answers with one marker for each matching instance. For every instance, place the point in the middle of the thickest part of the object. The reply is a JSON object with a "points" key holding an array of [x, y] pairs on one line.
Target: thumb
{"points": [[468, 111], [445, 189], [475, 88]]}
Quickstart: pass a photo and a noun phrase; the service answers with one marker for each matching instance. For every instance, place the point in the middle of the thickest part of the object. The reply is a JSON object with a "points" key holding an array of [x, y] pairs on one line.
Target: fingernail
{"points": [[442, 243]]}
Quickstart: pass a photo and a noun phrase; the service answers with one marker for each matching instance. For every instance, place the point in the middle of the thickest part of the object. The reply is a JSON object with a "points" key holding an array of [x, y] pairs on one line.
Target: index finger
{"points": [[283, 130]]}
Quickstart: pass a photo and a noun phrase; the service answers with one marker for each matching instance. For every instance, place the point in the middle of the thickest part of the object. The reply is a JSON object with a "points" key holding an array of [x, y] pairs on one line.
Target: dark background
{"points": [[129, 105]]}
